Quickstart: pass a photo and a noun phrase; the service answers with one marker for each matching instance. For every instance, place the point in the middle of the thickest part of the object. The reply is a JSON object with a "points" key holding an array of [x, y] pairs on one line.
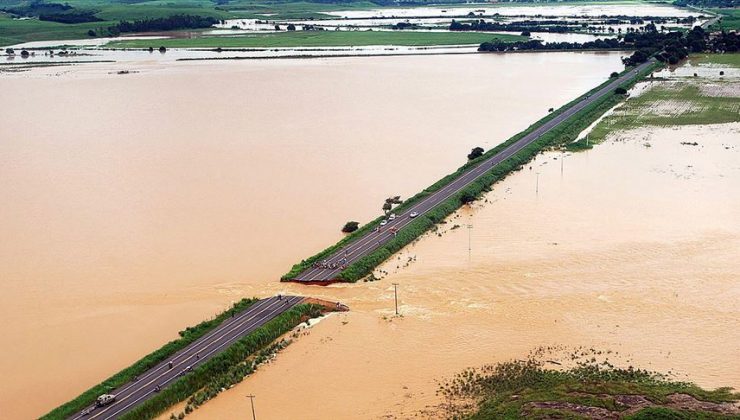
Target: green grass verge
{"points": [[563, 134], [321, 39], [187, 336], [219, 368]]}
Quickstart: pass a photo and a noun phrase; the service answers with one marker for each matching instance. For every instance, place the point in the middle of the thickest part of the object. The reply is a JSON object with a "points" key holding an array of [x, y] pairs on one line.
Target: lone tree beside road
{"points": [[475, 153], [350, 227], [389, 202]]}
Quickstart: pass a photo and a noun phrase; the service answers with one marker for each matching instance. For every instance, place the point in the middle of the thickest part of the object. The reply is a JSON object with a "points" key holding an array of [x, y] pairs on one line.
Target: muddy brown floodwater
{"points": [[630, 249], [135, 205]]}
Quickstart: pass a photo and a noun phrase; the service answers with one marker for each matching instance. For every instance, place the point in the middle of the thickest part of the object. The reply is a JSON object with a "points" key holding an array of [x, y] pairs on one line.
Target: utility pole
{"points": [[251, 398], [470, 248], [395, 295], [562, 159]]}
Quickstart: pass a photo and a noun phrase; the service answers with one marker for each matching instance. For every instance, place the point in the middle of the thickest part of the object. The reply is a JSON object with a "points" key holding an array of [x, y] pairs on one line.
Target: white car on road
{"points": [[413, 214]]}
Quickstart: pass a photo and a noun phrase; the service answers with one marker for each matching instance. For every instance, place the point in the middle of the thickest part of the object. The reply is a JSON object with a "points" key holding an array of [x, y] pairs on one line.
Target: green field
{"points": [[730, 19], [729, 60], [321, 39], [14, 31]]}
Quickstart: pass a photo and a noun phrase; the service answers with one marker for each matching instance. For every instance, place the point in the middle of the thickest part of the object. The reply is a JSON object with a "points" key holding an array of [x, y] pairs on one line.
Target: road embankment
{"points": [[206, 359], [187, 337], [223, 370], [556, 136]]}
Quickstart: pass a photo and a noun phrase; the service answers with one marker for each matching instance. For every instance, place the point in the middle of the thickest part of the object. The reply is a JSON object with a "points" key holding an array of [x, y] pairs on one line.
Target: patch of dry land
{"points": [[624, 247]]}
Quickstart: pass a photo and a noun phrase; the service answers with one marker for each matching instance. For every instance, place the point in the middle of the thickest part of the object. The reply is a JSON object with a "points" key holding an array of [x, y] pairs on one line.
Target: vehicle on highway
{"points": [[383, 222], [413, 214], [105, 399], [392, 216]]}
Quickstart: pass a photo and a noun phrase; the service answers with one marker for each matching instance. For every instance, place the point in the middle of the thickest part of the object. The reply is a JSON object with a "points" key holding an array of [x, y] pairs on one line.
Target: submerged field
{"points": [[706, 91], [322, 39]]}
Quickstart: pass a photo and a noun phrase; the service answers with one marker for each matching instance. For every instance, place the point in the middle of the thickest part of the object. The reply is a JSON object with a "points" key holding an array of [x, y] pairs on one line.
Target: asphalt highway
{"points": [[232, 329], [373, 240]]}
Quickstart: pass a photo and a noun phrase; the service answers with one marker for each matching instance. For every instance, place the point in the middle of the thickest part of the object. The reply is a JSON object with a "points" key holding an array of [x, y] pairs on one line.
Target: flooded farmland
{"points": [[641, 261], [138, 204]]}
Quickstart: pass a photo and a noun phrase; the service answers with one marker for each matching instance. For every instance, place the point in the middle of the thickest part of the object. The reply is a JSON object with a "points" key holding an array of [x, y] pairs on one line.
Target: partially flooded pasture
{"points": [[138, 204], [704, 90]]}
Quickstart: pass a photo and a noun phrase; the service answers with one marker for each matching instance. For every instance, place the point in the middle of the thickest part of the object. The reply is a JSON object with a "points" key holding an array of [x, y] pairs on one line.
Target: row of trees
{"points": [[54, 12], [670, 47], [169, 23], [708, 3], [535, 44], [563, 26], [524, 26], [675, 46]]}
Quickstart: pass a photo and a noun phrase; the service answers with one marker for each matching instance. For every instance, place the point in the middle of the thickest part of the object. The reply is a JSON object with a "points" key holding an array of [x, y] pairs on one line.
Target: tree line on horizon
{"points": [[668, 47]]}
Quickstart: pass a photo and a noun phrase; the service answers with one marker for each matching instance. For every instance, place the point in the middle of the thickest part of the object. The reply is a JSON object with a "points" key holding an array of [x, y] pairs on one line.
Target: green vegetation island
{"points": [[590, 387]]}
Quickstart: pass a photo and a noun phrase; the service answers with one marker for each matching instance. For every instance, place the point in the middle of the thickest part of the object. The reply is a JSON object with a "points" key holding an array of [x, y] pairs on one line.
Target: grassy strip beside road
{"points": [[321, 39], [188, 335], [220, 369], [562, 134]]}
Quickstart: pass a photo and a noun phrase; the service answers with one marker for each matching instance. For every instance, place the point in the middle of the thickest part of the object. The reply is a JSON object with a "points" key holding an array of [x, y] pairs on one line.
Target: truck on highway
{"points": [[105, 399]]}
